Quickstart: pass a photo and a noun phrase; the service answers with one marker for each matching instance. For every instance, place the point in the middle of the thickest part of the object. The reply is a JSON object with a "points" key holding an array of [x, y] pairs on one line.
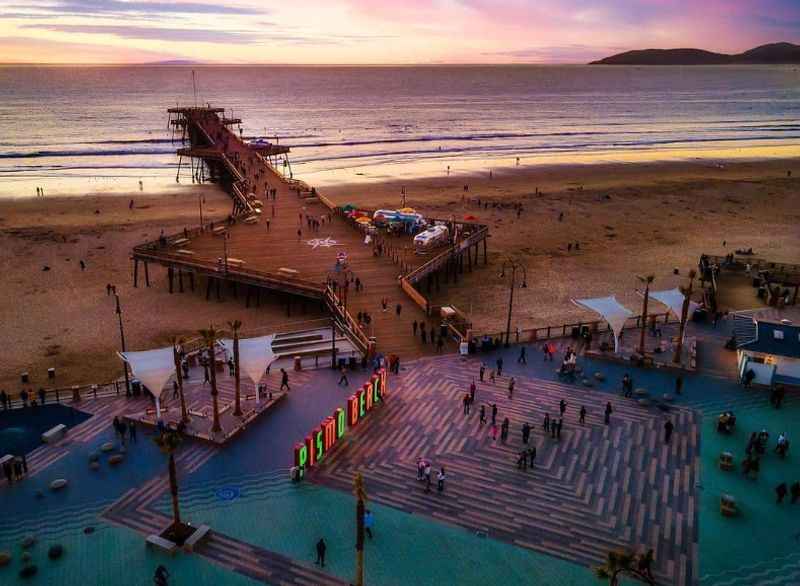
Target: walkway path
{"points": [[597, 488]]}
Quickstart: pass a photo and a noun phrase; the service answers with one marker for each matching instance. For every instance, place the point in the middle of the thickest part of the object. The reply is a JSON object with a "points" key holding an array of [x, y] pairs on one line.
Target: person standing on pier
{"points": [[608, 413], [284, 379], [582, 416]]}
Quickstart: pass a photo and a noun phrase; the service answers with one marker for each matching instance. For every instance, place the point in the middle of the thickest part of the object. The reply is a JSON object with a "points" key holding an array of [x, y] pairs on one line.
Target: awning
{"points": [[154, 368], [673, 298], [255, 355], [610, 310]]}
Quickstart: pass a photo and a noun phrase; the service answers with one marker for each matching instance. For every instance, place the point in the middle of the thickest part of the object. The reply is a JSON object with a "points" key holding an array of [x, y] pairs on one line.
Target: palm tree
{"points": [[646, 280], [687, 297], [235, 326], [210, 337], [622, 563], [176, 343], [168, 441]]}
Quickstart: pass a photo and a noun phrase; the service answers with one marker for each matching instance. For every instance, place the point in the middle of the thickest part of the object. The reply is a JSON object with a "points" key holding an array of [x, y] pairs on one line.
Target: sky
{"points": [[381, 31]]}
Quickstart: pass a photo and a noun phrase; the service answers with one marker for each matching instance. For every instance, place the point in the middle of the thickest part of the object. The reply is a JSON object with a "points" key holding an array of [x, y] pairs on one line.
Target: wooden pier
{"points": [[270, 244]]}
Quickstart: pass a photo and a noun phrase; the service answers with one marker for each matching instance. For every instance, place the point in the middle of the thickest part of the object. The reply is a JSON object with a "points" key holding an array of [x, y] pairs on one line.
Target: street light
{"points": [[514, 266], [118, 311]]}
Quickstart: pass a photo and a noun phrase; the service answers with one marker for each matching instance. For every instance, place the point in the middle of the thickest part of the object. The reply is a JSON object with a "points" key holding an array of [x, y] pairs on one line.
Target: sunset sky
{"points": [[381, 31]]}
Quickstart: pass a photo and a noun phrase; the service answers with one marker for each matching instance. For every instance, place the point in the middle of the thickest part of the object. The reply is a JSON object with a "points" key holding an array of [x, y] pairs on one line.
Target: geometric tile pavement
{"points": [[597, 488]]}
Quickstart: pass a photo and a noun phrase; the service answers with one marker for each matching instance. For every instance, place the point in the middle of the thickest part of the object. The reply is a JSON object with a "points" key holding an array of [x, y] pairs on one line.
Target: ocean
{"points": [[79, 129]]}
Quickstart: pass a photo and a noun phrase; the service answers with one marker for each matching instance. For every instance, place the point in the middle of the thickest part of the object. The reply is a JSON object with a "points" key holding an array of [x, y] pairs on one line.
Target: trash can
{"points": [[298, 363]]}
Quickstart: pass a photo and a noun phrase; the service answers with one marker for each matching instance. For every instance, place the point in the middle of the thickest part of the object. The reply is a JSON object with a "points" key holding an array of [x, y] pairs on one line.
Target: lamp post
{"points": [[646, 280], [514, 266], [361, 497], [118, 311], [403, 194]]}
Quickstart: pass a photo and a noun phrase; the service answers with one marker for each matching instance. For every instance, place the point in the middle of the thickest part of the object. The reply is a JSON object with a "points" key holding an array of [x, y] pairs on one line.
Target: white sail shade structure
{"points": [[673, 298], [610, 310], [255, 355], [154, 368]]}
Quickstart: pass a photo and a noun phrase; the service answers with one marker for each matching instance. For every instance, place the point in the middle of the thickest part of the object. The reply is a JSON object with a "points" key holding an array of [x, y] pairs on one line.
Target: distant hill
{"points": [[775, 53]]}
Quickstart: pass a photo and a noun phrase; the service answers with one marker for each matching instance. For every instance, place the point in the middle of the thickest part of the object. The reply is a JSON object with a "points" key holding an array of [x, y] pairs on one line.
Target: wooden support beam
{"points": [[146, 274], [485, 254], [170, 274], [209, 282], [191, 280], [180, 280], [135, 272], [247, 297], [219, 296]]}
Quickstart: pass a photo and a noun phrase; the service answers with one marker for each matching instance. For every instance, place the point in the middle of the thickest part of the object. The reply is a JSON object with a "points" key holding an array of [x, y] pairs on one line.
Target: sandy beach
{"points": [[628, 219]]}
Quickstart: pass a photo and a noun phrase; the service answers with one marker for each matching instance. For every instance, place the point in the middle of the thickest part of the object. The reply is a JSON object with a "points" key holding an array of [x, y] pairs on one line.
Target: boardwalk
{"points": [[283, 249], [597, 488]]}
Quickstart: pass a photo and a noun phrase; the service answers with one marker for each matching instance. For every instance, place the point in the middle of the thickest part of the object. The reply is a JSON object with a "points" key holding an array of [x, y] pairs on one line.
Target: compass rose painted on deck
{"points": [[323, 242]]}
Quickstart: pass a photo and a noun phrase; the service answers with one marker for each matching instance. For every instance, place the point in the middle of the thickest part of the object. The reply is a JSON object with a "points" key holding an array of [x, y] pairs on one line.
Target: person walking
{"points": [[398, 309], [562, 406], [369, 522], [780, 492], [132, 430], [440, 481], [526, 432], [523, 358], [414, 327], [494, 413], [321, 548], [668, 428], [492, 377], [679, 385], [546, 422], [500, 366], [482, 371], [558, 428], [511, 384], [427, 477], [582, 416], [472, 391], [795, 492], [531, 456], [465, 402], [482, 420], [284, 379], [504, 430], [522, 460], [608, 413], [343, 379]]}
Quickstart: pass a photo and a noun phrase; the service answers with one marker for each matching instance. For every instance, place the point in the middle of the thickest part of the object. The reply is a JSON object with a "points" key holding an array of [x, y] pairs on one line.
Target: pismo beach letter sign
{"points": [[322, 439]]}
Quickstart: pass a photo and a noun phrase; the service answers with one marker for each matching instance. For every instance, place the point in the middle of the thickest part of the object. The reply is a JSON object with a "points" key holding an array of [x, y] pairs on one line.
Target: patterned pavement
{"points": [[597, 488]]}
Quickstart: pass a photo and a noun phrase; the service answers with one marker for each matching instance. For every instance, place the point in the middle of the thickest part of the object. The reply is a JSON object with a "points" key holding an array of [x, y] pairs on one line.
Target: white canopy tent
{"points": [[153, 368], [673, 298], [610, 310], [255, 355]]}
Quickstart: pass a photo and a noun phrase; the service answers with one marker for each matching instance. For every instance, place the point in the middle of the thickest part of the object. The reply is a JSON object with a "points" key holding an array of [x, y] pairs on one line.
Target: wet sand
{"points": [[629, 220]]}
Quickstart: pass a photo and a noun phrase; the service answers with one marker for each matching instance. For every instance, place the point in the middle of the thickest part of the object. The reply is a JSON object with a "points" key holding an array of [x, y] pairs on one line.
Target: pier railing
{"points": [[527, 335]]}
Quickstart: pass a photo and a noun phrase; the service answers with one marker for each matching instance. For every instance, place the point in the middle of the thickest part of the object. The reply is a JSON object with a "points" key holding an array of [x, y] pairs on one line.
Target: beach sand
{"points": [[63, 317], [630, 219]]}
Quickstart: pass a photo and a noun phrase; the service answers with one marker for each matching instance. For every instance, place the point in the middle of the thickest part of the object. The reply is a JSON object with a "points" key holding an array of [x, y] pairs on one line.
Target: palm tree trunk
{"points": [[179, 378], [684, 318], [238, 409], [173, 488], [216, 427]]}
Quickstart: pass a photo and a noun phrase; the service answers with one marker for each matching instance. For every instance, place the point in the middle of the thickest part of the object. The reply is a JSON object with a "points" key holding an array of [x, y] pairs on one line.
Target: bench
{"points": [[219, 230], [251, 220], [287, 271], [185, 252], [162, 544], [195, 538], [54, 434], [179, 241], [235, 262]]}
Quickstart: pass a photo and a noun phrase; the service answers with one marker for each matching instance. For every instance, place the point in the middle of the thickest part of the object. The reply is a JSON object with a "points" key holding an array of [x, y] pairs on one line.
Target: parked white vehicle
{"points": [[431, 237]]}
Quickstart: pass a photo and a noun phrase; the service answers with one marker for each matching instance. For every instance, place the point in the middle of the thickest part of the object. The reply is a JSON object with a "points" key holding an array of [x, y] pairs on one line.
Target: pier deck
{"points": [[276, 249]]}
